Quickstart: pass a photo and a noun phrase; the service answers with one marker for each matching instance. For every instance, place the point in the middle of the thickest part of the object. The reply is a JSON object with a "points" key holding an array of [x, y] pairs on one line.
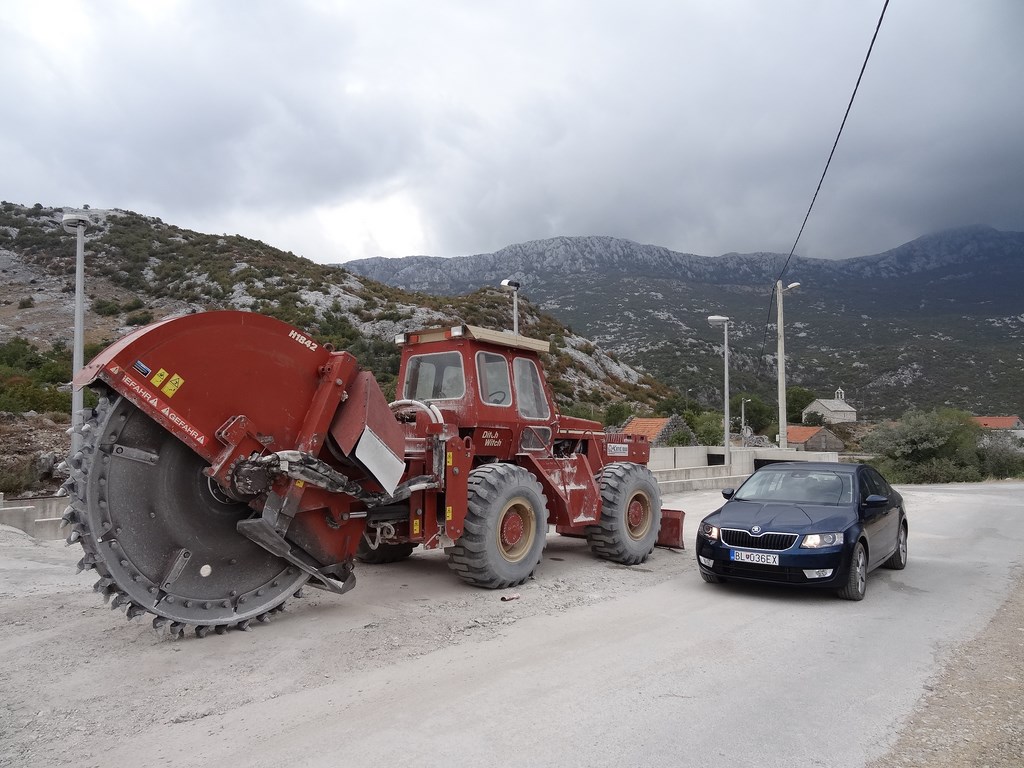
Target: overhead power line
{"points": [[849, 106]]}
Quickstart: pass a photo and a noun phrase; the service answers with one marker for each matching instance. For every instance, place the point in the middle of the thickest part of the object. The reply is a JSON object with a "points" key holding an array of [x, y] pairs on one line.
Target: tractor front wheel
{"points": [[630, 514], [505, 528]]}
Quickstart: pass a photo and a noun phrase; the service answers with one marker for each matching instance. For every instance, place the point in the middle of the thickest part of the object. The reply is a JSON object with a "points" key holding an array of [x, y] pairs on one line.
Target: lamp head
{"points": [[718, 320], [510, 285], [792, 286], [71, 222]]}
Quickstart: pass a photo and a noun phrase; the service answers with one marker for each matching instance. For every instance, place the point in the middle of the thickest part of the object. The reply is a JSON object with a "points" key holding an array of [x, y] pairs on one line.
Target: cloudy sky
{"points": [[341, 130]]}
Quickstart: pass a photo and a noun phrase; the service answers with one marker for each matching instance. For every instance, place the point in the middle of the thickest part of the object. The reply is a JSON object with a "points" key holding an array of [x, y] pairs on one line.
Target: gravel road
{"points": [[591, 664]]}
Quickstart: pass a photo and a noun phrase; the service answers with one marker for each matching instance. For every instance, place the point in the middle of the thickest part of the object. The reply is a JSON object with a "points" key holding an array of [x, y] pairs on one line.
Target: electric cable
{"points": [[785, 266]]}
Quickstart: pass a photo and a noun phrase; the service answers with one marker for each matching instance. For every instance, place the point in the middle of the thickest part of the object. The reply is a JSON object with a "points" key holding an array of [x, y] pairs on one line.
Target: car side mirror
{"points": [[876, 500], [728, 492]]}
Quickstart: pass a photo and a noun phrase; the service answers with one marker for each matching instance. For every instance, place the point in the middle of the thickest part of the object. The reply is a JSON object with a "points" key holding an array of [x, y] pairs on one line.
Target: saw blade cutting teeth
{"points": [[159, 538]]}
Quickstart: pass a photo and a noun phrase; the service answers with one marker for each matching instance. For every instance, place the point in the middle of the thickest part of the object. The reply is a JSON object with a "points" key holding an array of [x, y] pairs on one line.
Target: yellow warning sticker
{"points": [[160, 377], [173, 385], [449, 458], [447, 513], [415, 527], [300, 484]]}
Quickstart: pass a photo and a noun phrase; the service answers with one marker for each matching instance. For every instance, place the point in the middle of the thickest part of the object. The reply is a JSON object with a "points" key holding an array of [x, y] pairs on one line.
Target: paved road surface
{"points": [[664, 671]]}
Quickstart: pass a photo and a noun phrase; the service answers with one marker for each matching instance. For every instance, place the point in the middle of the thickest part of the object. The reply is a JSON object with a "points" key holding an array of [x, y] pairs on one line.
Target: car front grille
{"points": [[764, 573], [777, 542]]}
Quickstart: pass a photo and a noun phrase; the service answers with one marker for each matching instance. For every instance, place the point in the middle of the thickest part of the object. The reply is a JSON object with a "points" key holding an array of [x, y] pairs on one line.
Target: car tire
{"points": [[710, 578], [898, 561], [857, 577]]}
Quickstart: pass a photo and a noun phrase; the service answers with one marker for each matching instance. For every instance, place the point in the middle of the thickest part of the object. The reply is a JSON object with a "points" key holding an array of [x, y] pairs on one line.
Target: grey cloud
{"points": [[701, 127]]}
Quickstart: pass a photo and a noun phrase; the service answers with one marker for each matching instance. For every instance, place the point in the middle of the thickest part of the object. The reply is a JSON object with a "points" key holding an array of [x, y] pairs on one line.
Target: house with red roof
{"points": [[657, 431], [812, 439], [1011, 424]]}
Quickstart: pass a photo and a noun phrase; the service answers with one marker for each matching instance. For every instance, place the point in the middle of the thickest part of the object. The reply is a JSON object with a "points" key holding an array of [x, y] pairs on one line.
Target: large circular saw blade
{"points": [[161, 535]]}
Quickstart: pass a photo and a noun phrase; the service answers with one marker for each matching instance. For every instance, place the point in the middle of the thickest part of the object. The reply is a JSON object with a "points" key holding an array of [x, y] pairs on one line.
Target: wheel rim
{"points": [[903, 545], [517, 527], [638, 516], [862, 575]]}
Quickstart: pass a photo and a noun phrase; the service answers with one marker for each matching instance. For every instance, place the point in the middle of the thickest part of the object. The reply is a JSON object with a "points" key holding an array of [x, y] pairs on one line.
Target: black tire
{"points": [[898, 561], [857, 578], [709, 577], [505, 528], [630, 514], [384, 553]]}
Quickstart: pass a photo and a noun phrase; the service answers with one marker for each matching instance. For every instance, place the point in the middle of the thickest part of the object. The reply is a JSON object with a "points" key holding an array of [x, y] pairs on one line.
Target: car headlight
{"points": [[819, 540], [709, 531]]}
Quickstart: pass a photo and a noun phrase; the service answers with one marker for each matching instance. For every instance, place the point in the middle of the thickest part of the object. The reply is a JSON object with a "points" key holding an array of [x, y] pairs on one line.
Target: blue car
{"points": [[814, 524]]}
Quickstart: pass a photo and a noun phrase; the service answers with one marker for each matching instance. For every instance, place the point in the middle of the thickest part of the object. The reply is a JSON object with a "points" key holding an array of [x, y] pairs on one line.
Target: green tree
{"points": [[759, 414], [616, 413], [673, 404], [797, 398], [708, 428]]}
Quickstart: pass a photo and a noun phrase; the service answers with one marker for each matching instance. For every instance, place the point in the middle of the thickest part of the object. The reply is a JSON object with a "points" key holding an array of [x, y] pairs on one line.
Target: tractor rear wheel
{"points": [[384, 553], [630, 514], [505, 528]]}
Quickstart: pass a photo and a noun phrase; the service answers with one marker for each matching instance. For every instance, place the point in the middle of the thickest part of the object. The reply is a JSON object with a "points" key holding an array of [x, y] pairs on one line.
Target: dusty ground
{"points": [[973, 714], [77, 680]]}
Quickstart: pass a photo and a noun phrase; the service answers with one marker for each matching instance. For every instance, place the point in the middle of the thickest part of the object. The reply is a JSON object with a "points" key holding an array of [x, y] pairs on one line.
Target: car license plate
{"points": [[760, 558]]}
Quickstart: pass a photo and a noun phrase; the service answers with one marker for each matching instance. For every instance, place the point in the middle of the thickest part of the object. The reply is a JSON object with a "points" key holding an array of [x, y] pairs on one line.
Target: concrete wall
{"points": [[672, 458], [39, 518], [742, 458], [678, 470]]}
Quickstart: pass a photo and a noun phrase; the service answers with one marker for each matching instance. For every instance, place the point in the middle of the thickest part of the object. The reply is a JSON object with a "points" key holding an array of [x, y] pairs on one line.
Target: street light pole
{"points": [[743, 419], [512, 286], [783, 438], [74, 223], [723, 321]]}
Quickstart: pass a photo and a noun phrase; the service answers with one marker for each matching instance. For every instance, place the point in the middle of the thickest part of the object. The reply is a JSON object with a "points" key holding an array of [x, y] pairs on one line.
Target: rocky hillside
{"points": [[139, 269], [937, 321]]}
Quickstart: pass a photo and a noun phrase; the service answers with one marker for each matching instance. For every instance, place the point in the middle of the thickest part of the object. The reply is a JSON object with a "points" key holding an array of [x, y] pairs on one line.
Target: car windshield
{"points": [[812, 486]]}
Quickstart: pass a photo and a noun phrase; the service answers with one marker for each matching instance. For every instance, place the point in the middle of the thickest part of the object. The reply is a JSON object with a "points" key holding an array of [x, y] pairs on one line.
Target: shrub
{"points": [[708, 428], [27, 302], [144, 317], [17, 475], [680, 437], [616, 414], [943, 446], [813, 419], [1001, 456], [106, 307]]}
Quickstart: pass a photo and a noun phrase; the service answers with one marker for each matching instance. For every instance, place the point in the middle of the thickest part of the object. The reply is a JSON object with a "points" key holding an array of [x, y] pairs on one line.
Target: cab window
{"points": [[435, 377], [529, 390], [492, 373]]}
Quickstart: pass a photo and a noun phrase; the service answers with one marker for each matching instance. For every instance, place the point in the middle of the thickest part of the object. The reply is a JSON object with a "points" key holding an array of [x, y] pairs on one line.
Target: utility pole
{"points": [[779, 290]]}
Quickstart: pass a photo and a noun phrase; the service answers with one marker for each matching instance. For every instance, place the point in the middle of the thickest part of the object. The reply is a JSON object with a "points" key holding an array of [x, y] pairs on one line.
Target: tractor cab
{"points": [[488, 383]]}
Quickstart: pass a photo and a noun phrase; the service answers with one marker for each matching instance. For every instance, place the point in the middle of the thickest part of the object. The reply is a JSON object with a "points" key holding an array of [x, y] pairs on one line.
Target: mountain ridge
{"points": [[878, 325]]}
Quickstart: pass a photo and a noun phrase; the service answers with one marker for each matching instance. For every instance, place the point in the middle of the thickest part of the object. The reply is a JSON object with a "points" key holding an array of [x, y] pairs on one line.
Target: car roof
{"points": [[831, 466]]}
